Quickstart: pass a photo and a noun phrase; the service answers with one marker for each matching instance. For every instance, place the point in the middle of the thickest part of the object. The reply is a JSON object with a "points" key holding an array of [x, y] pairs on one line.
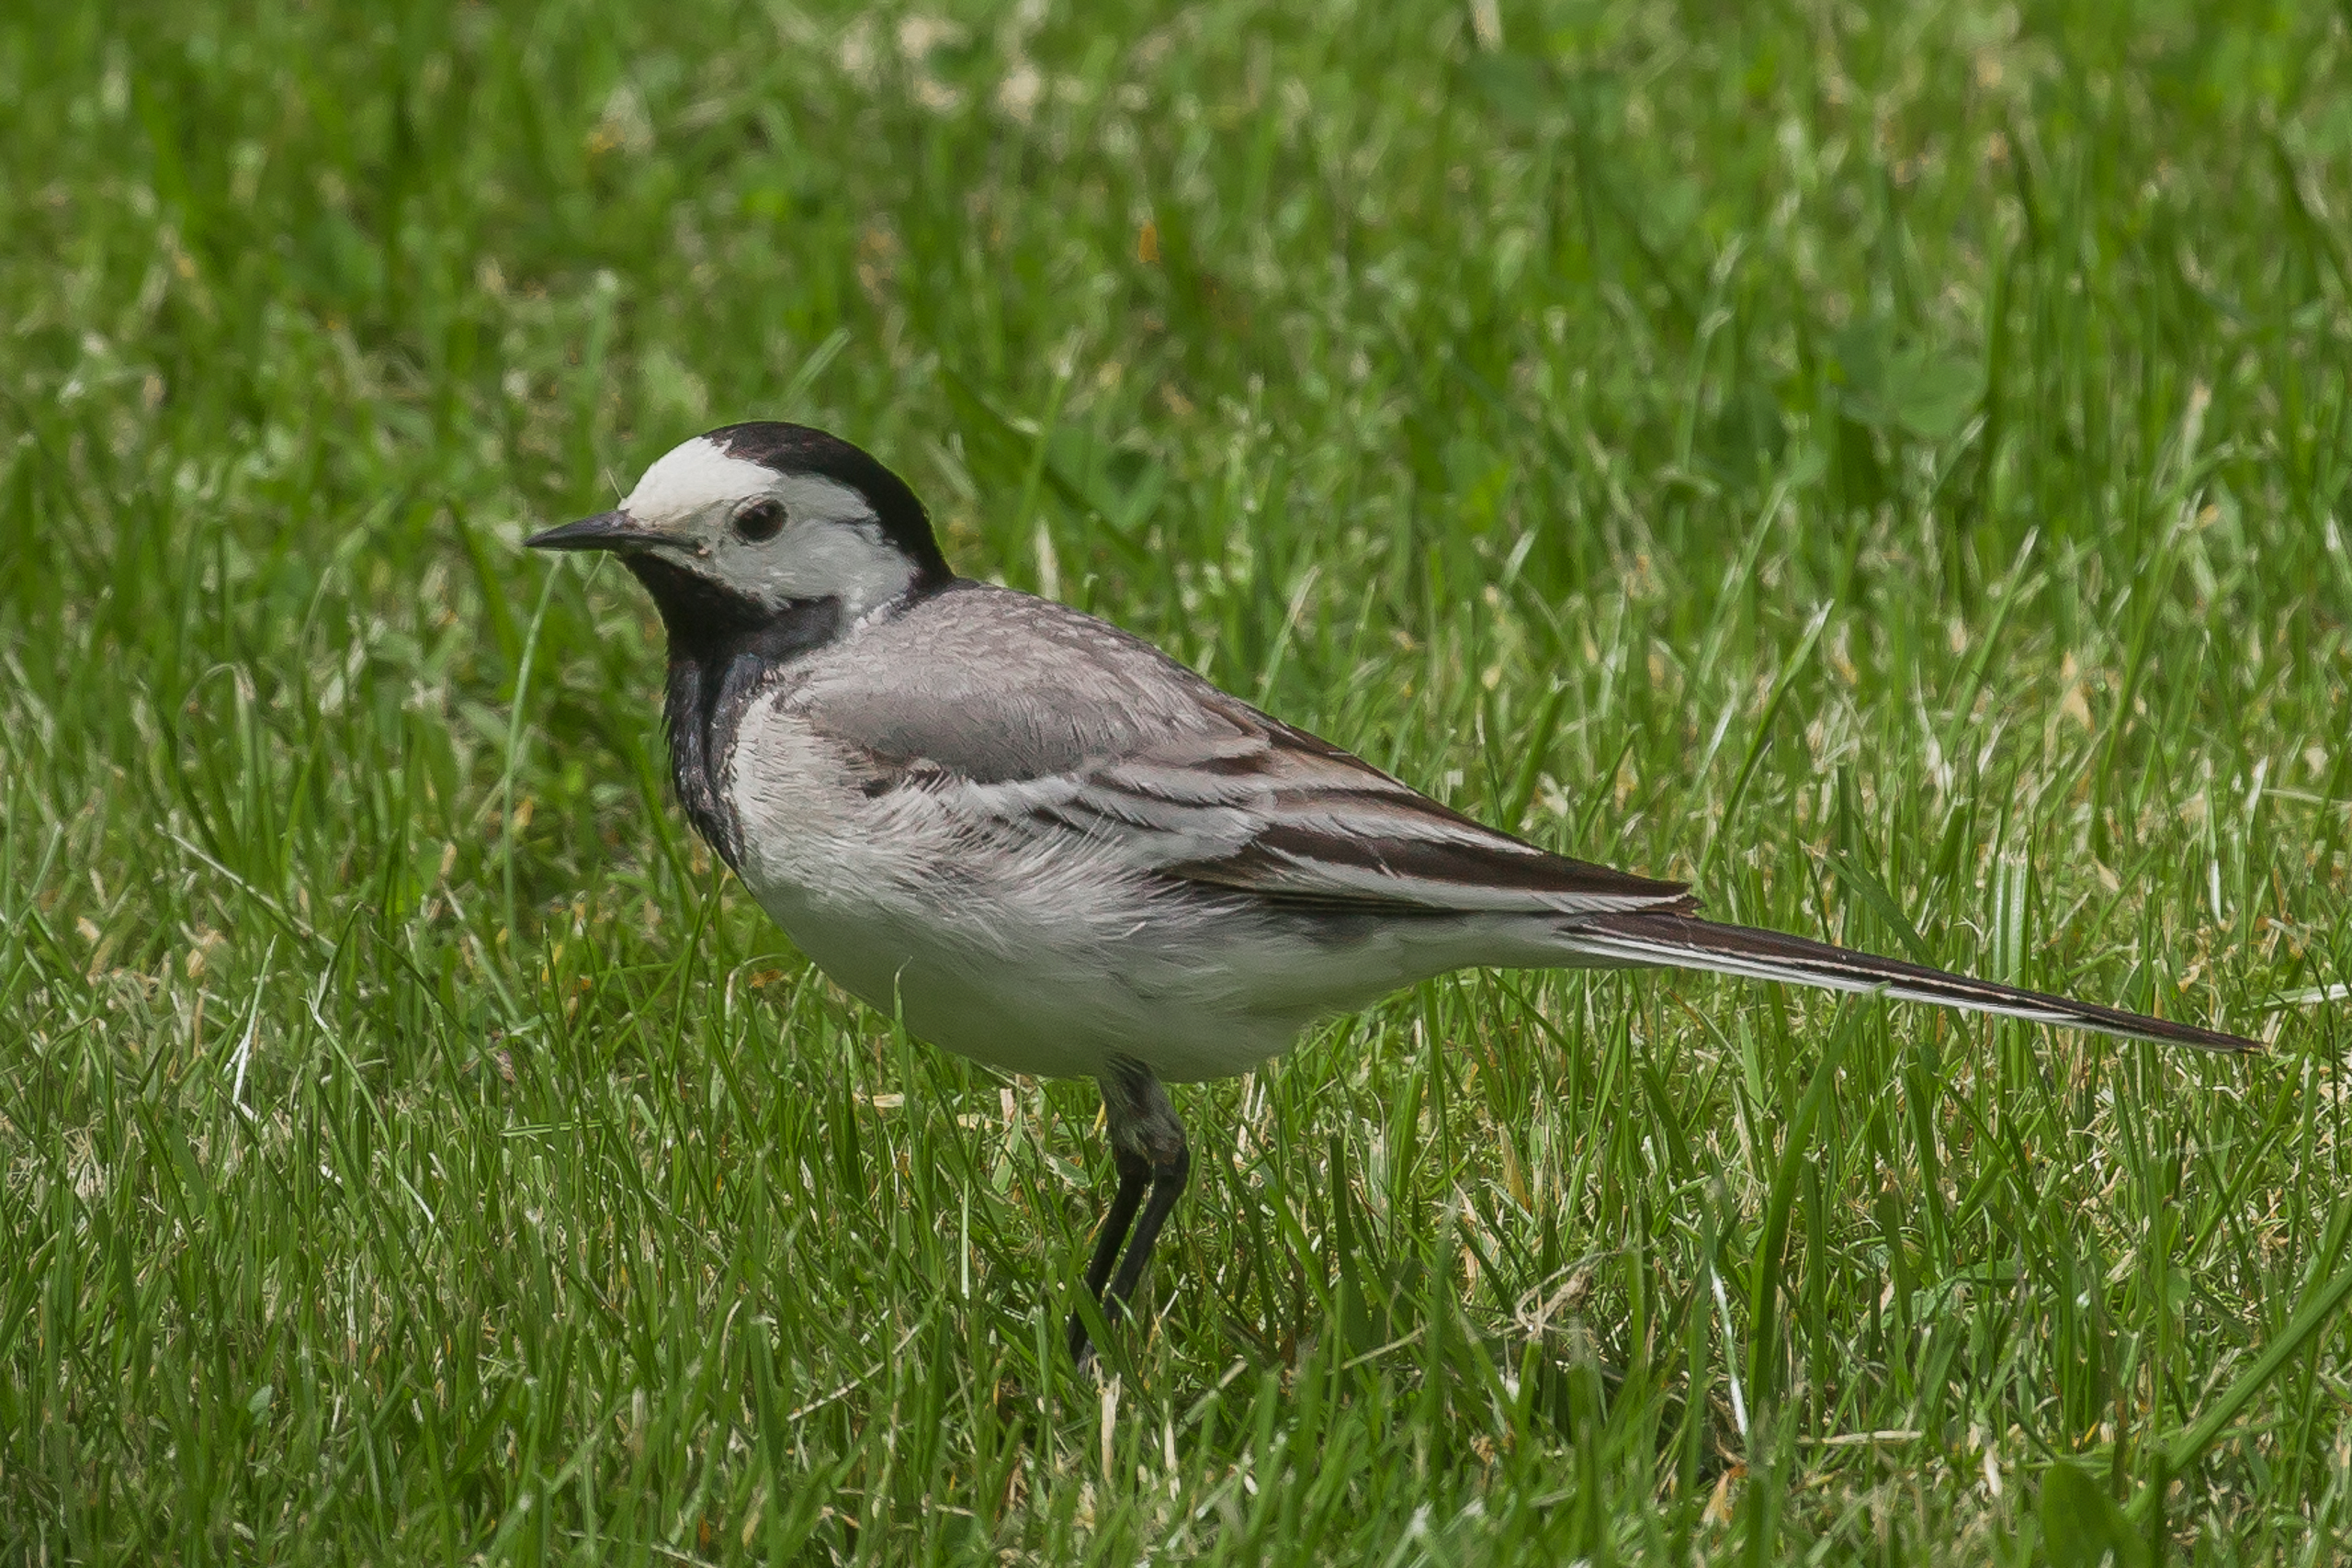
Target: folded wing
{"points": [[1031, 715]]}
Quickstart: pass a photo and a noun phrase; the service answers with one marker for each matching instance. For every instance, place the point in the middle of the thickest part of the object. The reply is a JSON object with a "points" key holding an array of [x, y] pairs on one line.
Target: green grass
{"points": [[1892, 464]]}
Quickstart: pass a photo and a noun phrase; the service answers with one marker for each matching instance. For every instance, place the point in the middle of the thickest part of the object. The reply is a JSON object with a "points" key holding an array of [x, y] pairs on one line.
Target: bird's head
{"points": [[748, 521]]}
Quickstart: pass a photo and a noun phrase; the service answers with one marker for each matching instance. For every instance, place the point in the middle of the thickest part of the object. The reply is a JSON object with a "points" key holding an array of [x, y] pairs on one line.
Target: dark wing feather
{"points": [[1331, 827]]}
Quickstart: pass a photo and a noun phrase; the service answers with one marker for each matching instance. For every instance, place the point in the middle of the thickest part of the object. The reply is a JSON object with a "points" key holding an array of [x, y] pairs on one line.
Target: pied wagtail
{"points": [[1052, 848]]}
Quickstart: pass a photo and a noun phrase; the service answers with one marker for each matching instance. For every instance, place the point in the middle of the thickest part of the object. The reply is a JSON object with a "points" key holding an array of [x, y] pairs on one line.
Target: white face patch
{"points": [[830, 545]]}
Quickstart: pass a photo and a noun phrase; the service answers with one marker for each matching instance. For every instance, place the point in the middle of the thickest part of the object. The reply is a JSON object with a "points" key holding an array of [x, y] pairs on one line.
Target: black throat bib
{"points": [[723, 645]]}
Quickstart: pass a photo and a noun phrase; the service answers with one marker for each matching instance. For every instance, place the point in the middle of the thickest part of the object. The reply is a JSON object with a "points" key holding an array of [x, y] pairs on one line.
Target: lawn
{"points": [[1891, 464]]}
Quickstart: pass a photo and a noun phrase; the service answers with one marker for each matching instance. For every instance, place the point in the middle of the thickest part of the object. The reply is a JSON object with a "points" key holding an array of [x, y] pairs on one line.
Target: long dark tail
{"points": [[1686, 941]]}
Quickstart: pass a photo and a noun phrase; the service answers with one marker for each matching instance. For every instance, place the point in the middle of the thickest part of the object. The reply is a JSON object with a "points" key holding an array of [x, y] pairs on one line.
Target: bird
{"points": [[1050, 847]]}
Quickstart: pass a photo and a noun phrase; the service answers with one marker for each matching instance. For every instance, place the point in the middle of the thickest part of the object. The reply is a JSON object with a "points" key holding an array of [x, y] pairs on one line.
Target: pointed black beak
{"points": [[605, 531]]}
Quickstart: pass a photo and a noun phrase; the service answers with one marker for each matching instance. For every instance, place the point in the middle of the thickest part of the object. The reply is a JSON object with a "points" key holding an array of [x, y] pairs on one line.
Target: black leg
{"points": [[1135, 1175], [1148, 1141], [1167, 1185]]}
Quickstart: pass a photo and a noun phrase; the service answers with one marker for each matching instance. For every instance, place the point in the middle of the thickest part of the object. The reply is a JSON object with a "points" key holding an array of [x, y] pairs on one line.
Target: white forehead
{"points": [[699, 475], [693, 476]]}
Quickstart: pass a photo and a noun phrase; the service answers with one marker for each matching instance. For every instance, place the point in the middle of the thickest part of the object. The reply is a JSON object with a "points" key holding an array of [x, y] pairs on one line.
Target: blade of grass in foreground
{"points": [[2320, 1304], [1764, 1290]]}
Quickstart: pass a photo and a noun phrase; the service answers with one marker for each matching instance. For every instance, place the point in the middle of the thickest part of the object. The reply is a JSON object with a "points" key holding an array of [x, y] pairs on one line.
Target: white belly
{"points": [[1045, 1007]]}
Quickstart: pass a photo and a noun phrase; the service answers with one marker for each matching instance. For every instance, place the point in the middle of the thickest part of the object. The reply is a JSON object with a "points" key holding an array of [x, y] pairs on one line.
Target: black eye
{"points": [[759, 520]]}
